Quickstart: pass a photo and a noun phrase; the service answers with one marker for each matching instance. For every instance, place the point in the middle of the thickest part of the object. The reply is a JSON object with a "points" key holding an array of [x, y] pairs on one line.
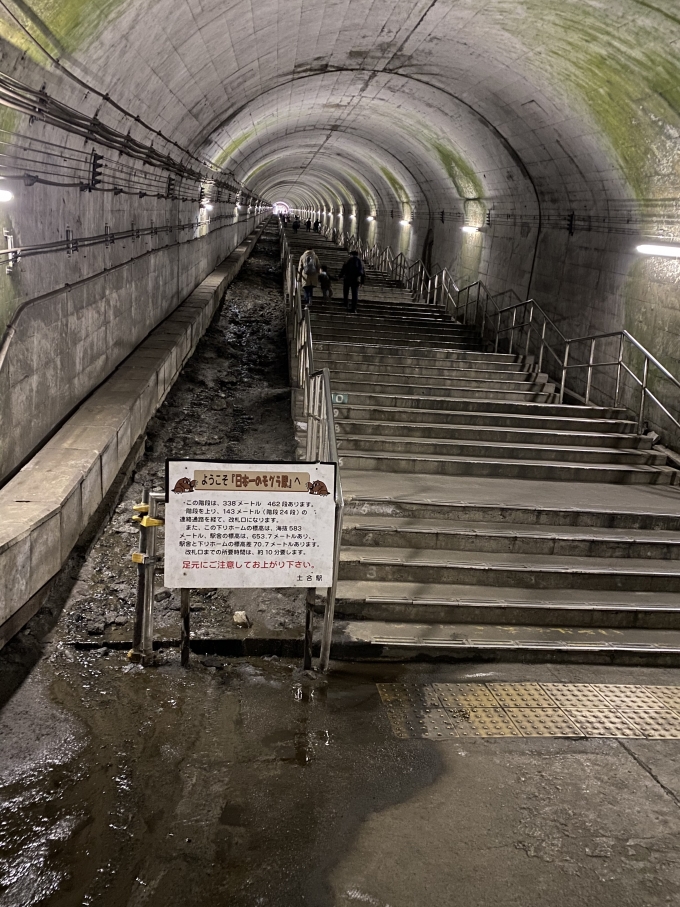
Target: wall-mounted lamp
{"points": [[470, 229], [405, 223], [370, 217], [666, 251], [207, 207], [5, 195], [352, 216]]}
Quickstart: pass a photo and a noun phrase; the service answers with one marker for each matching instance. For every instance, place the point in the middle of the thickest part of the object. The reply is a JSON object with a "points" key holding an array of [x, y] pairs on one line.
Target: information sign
{"points": [[256, 525]]}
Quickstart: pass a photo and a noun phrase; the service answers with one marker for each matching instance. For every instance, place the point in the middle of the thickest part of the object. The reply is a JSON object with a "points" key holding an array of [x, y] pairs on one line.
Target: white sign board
{"points": [[257, 525]]}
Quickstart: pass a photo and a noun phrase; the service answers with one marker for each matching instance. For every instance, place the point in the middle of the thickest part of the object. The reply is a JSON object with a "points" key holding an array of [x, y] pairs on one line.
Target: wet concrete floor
{"points": [[248, 782], [251, 783]]}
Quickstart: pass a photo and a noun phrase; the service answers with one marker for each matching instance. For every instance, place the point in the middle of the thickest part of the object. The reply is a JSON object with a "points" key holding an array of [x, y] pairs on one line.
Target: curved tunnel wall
{"points": [[557, 125]]}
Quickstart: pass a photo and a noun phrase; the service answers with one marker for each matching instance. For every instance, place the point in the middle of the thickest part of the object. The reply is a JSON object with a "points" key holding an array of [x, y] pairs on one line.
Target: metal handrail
{"points": [[321, 443], [592, 340], [474, 304]]}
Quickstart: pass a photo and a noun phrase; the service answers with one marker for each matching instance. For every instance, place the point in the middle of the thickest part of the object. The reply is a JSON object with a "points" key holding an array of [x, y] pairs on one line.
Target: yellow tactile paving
{"points": [[444, 710]]}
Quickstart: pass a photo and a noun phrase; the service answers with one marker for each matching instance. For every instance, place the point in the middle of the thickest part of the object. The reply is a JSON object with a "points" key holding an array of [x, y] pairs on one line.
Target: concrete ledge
{"points": [[45, 507]]}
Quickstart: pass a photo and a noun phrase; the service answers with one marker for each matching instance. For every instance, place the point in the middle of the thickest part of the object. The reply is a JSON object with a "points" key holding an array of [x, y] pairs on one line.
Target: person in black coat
{"points": [[352, 274]]}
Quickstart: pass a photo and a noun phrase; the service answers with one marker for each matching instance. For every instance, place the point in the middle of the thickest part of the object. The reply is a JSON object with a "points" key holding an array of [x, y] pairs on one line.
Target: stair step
{"points": [[367, 530], [415, 373], [497, 450], [499, 420], [483, 519], [424, 335], [443, 604], [334, 347], [555, 470], [388, 639], [464, 362], [367, 393], [483, 405], [512, 515], [494, 390], [489, 433], [430, 386], [537, 571]]}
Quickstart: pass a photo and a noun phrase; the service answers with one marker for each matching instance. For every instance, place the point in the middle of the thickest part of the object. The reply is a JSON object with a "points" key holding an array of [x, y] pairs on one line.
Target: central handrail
{"points": [[525, 328], [317, 401]]}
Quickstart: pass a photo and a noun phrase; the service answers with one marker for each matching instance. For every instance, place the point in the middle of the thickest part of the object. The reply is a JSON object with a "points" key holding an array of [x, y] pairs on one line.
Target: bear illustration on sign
{"points": [[317, 487], [184, 485]]}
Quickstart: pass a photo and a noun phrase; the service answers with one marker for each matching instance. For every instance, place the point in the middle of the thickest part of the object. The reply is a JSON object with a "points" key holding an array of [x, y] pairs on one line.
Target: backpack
{"points": [[309, 266]]}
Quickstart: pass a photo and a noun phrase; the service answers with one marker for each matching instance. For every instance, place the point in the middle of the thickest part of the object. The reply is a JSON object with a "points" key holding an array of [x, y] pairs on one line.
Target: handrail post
{"points": [[512, 330], [540, 355], [564, 372], [498, 332], [619, 371], [643, 395], [329, 611], [531, 321], [591, 359]]}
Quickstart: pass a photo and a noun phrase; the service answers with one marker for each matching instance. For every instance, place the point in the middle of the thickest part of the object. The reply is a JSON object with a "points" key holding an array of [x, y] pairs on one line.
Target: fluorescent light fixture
{"points": [[470, 229], [207, 207], [352, 216], [370, 217], [666, 251], [405, 223], [5, 195]]}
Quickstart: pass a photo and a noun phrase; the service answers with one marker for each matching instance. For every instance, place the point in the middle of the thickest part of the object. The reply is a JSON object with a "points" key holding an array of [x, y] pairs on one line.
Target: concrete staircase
{"points": [[482, 516]]}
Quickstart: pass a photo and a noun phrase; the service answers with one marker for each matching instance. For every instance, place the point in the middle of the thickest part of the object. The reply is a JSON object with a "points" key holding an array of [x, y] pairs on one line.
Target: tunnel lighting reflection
{"points": [[470, 229], [5, 195], [666, 251]]}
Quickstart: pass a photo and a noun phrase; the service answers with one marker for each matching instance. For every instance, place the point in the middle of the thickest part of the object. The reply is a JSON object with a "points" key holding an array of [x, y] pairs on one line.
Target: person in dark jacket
{"points": [[308, 225], [353, 274], [296, 225]]}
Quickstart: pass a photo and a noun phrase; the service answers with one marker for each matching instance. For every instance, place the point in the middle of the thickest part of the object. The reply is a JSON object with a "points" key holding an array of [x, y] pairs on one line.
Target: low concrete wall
{"points": [[46, 506], [61, 346]]}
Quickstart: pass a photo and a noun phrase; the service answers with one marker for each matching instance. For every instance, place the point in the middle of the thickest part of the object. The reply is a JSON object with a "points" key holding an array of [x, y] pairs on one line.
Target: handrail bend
{"points": [[526, 329]]}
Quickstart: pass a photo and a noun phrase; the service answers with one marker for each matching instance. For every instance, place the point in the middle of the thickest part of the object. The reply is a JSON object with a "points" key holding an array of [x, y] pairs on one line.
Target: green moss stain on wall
{"points": [[460, 173], [253, 173], [362, 187], [59, 25], [396, 184], [229, 150], [618, 61], [75, 23]]}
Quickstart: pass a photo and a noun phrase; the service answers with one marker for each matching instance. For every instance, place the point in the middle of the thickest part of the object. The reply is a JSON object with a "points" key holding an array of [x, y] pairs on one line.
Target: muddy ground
{"points": [[231, 402]]}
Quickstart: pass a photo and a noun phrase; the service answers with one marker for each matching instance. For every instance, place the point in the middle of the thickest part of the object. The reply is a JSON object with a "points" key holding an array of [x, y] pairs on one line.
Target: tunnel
{"points": [[411, 267], [532, 149]]}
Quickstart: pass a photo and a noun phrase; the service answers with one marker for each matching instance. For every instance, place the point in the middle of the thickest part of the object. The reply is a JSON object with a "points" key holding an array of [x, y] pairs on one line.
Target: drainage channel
{"points": [[231, 402]]}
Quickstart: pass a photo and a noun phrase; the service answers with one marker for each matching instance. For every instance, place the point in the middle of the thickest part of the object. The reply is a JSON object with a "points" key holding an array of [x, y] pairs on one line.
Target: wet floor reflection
{"points": [[232, 782]]}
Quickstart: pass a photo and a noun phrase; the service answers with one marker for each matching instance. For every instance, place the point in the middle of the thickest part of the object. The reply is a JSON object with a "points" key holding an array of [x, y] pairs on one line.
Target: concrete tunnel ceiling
{"points": [[433, 110], [452, 89]]}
